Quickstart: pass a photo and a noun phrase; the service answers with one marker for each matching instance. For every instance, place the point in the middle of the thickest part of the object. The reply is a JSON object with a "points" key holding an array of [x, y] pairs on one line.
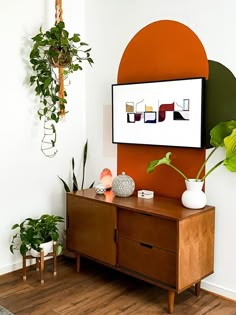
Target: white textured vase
{"points": [[123, 185], [194, 197]]}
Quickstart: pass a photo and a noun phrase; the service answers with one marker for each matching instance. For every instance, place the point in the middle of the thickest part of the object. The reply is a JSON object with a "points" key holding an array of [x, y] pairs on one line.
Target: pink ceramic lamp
{"points": [[106, 178]]}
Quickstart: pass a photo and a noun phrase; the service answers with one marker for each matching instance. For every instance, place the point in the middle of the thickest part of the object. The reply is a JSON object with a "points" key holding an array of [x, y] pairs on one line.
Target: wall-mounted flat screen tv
{"points": [[166, 113]]}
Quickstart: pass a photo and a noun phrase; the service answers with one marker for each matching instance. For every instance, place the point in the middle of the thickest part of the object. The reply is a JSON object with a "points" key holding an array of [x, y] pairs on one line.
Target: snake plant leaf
{"points": [[84, 162], [67, 189], [153, 164], [91, 186], [75, 183], [220, 131]]}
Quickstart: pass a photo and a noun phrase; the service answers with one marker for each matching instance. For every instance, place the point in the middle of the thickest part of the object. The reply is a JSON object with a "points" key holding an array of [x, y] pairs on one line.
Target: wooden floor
{"points": [[98, 290]]}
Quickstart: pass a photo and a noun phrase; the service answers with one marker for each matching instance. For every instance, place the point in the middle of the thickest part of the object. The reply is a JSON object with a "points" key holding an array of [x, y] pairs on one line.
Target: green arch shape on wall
{"points": [[220, 97]]}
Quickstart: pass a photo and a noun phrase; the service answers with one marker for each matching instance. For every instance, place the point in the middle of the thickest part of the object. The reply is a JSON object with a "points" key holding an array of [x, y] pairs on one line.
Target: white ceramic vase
{"points": [[47, 248], [194, 197]]}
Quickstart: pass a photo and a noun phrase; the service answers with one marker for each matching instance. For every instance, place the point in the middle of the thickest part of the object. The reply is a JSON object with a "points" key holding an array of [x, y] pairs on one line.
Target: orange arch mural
{"points": [[160, 51]]}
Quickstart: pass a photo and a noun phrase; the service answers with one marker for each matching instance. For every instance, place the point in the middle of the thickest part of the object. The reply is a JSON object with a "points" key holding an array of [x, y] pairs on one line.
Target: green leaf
{"points": [[153, 164], [15, 226], [32, 79], [76, 67], [75, 183], [230, 163], [230, 146], [12, 248], [59, 249], [165, 160], [75, 38], [53, 117], [230, 143], [60, 25], [47, 82], [220, 131], [84, 162], [66, 187], [34, 53], [38, 37], [34, 61], [91, 186]]}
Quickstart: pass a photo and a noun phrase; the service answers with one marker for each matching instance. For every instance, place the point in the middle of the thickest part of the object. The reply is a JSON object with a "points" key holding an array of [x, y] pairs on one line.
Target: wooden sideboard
{"points": [[156, 240]]}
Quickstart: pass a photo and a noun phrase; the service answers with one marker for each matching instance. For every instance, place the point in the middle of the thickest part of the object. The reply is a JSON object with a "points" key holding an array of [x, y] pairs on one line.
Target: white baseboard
{"points": [[18, 265], [219, 290]]}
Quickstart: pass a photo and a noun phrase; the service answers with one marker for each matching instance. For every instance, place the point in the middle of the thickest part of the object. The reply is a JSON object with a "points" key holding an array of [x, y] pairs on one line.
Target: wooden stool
{"points": [[40, 263]]}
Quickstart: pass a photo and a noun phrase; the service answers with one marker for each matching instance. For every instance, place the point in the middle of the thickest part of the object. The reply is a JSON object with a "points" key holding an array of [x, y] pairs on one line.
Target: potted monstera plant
{"points": [[222, 135], [34, 234], [54, 49]]}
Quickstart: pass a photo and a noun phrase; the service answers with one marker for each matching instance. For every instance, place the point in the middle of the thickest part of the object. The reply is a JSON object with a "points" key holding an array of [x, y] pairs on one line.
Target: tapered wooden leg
{"points": [[171, 301], [54, 259], [37, 264], [78, 262], [24, 267], [197, 288], [42, 266]]}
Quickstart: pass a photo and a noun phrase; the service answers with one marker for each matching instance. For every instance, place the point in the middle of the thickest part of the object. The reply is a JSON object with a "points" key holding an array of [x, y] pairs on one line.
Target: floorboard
{"points": [[98, 290]]}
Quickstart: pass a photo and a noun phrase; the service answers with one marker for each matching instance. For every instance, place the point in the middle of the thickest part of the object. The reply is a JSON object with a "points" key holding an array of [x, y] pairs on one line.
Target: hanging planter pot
{"points": [[60, 57]]}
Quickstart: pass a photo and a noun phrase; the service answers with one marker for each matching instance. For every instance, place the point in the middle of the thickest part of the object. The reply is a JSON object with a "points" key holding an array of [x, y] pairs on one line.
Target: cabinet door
{"points": [[91, 227]]}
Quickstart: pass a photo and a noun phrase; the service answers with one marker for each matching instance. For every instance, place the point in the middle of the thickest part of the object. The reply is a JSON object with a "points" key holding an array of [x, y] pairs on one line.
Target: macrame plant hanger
{"points": [[49, 137], [59, 18]]}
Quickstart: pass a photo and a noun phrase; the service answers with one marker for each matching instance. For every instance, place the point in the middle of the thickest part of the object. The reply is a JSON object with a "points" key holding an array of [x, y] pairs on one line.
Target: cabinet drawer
{"points": [[148, 229], [152, 262]]}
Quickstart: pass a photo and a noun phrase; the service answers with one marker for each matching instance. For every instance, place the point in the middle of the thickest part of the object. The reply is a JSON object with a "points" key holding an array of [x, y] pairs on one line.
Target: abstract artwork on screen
{"points": [[159, 113]]}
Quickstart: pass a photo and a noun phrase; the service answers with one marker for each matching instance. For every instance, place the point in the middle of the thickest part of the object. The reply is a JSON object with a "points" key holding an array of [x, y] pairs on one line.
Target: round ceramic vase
{"points": [[193, 197], [100, 189], [123, 185]]}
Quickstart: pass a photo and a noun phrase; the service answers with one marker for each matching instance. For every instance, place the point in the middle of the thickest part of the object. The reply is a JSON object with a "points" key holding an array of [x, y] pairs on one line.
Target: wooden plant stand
{"points": [[40, 263]]}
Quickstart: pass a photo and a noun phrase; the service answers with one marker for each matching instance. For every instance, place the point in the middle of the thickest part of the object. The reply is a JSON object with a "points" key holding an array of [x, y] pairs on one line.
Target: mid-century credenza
{"points": [[156, 240]]}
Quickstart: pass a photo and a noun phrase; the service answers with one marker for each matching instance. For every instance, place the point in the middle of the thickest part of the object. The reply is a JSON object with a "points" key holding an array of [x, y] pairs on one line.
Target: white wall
{"points": [[29, 185], [110, 26]]}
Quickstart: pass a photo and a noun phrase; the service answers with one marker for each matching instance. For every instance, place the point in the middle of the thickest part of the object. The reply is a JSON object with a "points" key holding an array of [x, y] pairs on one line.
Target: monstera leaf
{"points": [[220, 132], [230, 146], [165, 160], [153, 164]]}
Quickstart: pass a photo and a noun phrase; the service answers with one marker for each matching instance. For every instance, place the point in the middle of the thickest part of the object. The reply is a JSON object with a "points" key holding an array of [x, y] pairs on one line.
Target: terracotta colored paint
{"points": [[162, 50]]}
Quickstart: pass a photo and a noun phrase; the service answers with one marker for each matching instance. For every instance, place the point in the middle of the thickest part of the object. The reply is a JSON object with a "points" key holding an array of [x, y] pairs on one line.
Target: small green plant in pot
{"points": [[32, 233], [222, 135], [52, 49]]}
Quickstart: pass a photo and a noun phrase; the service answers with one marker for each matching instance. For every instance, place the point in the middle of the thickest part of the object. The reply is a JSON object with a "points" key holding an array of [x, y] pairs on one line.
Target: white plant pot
{"points": [[194, 197], [47, 248]]}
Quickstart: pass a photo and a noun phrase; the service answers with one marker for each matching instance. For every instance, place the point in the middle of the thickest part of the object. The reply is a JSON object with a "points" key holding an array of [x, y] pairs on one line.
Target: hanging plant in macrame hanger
{"points": [[54, 56]]}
